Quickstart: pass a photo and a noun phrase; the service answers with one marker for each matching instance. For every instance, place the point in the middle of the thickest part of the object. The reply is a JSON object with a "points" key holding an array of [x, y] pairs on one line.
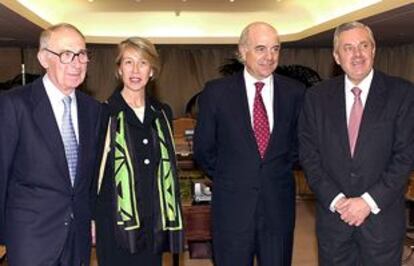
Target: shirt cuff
{"points": [[371, 203], [335, 200]]}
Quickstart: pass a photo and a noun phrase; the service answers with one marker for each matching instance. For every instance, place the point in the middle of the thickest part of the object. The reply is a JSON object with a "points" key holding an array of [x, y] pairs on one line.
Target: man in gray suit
{"points": [[356, 135]]}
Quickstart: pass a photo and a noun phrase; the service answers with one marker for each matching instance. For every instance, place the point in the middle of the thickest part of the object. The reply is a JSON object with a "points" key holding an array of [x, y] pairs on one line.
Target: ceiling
{"points": [[16, 30], [304, 23], [393, 27]]}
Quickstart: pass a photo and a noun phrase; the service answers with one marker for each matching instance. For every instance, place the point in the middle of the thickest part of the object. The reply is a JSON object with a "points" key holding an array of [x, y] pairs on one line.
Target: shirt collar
{"points": [[53, 92], [249, 79], [364, 85]]}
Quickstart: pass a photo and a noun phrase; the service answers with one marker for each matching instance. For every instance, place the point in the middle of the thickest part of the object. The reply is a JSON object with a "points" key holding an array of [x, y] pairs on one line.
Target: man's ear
{"points": [[336, 57], [42, 57], [242, 52]]}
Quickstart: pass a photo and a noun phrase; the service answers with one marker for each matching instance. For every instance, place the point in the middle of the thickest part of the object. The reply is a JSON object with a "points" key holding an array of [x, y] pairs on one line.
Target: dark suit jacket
{"points": [[37, 201], [383, 154], [225, 147]]}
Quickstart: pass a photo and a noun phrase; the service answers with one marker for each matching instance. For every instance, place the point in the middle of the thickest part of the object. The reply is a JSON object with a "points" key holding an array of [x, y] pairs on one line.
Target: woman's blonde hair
{"points": [[143, 47]]}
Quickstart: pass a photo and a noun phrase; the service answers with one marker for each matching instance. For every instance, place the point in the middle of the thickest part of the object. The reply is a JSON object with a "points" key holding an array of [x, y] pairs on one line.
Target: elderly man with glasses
{"points": [[47, 155]]}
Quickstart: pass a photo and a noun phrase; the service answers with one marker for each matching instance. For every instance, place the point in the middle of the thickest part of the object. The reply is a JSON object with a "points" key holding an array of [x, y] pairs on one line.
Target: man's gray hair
{"points": [[349, 26], [45, 35], [244, 36]]}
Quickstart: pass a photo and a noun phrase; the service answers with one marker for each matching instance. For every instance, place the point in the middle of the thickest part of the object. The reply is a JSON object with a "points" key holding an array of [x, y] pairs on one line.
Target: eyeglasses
{"points": [[67, 57]]}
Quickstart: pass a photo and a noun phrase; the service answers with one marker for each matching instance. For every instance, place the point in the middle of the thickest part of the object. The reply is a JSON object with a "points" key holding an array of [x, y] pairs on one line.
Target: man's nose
{"points": [[76, 60], [270, 54], [357, 50]]}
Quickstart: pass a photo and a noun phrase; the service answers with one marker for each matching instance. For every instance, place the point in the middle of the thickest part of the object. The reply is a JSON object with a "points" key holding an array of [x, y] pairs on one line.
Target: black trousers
{"points": [[70, 255], [358, 249], [271, 248]]}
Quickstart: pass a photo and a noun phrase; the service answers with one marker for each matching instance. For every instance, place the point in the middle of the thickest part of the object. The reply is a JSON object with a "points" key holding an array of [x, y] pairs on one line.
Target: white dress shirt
{"points": [[267, 95], [364, 86], [56, 100]]}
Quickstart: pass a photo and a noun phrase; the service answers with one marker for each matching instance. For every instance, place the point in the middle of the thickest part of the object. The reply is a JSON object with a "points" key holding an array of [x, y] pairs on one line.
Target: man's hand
{"points": [[353, 211], [339, 204]]}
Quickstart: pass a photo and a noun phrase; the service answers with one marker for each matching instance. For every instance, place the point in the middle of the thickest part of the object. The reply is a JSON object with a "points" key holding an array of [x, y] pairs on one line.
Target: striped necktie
{"points": [[69, 139]]}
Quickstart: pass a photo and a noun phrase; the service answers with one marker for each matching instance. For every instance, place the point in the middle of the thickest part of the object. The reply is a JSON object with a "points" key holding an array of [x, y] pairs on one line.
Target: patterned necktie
{"points": [[260, 120], [69, 139], [355, 119]]}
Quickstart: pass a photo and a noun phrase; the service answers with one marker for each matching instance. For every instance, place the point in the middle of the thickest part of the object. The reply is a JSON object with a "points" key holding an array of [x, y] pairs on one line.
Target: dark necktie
{"points": [[69, 139], [355, 119], [260, 120]]}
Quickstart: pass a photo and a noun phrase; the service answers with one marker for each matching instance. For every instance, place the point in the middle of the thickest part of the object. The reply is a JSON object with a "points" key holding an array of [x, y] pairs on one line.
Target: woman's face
{"points": [[134, 70]]}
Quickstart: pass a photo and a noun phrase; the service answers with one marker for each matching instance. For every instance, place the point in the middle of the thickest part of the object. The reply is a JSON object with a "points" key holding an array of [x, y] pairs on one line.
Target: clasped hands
{"points": [[353, 211]]}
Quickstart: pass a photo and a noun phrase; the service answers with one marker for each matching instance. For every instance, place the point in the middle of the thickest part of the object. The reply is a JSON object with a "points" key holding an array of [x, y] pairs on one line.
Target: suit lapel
{"points": [[373, 107], [276, 113], [45, 120], [241, 107], [84, 135], [336, 105]]}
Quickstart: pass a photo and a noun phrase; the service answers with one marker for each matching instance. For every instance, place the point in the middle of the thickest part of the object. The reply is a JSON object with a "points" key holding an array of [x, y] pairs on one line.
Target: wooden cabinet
{"points": [[198, 230], [197, 222]]}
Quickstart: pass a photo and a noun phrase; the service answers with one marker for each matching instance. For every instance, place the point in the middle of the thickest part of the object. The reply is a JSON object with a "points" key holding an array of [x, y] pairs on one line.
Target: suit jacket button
{"points": [[353, 175]]}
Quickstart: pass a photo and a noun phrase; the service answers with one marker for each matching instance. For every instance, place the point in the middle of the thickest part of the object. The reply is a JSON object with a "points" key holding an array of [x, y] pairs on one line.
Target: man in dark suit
{"points": [[47, 154], [356, 138], [245, 140]]}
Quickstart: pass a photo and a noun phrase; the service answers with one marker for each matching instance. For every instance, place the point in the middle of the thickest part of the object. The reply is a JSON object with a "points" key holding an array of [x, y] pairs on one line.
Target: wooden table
{"points": [[197, 225], [197, 222]]}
